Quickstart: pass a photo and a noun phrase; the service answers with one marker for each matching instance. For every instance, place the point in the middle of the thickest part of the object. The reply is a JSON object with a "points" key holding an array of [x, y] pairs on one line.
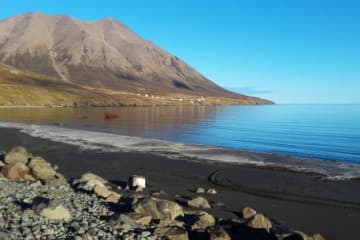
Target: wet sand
{"points": [[297, 200]]}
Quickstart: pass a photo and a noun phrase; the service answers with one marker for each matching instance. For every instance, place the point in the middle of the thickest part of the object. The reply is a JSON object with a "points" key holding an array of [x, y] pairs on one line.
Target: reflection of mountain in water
{"points": [[137, 121]]}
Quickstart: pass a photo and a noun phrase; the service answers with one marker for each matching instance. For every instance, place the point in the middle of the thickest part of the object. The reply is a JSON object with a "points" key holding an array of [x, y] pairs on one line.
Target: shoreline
{"points": [[298, 200], [112, 142]]}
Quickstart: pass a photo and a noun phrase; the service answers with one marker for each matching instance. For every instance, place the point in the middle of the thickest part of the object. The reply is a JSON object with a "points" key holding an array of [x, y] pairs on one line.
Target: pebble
{"points": [[85, 209]]}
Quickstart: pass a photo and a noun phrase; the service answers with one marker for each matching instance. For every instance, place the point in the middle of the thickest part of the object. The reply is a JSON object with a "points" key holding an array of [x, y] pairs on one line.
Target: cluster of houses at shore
{"points": [[198, 100]]}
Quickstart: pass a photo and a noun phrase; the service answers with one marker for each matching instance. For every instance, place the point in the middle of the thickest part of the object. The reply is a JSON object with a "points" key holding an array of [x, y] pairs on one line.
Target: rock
{"points": [[259, 221], [170, 223], [297, 235], [41, 169], [158, 208], [113, 198], [58, 181], [90, 185], [57, 213], [140, 219], [316, 237], [204, 220], [91, 176], [159, 193], [17, 154], [211, 191], [199, 202], [124, 221], [102, 191], [248, 212], [15, 171], [218, 233], [137, 182], [199, 190], [172, 233], [50, 209]]}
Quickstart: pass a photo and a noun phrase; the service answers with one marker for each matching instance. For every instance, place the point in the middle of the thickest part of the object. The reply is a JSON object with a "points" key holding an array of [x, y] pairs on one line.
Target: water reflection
{"points": [[137, 121]]}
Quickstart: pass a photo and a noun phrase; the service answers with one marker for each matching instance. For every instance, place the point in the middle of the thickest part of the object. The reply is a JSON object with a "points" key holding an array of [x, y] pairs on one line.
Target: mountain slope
{"points": [[102, 54], [24, 88]]}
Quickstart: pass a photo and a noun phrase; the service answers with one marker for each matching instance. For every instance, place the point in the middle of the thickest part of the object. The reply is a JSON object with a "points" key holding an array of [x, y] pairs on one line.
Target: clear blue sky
{"points": [[304, 51]]}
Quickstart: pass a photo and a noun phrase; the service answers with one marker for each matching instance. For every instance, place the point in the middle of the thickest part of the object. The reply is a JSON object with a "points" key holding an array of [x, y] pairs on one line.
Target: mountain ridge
{"points": [[102, 54]]}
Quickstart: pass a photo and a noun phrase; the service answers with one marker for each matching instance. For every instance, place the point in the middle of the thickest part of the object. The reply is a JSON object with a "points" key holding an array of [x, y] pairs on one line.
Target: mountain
{"points": [[101, 54], [25, 88]]}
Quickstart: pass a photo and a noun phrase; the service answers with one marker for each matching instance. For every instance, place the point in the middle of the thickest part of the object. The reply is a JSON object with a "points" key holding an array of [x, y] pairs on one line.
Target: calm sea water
{"points": [[329, 132]]}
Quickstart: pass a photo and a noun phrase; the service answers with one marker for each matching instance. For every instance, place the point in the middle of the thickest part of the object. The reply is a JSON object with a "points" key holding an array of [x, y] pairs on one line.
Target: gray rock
{"points": [[218, 233], [248, 212], [158, 208], [203, 221], [41, 169], [124, 222], [172, 233], [199, 202], [17, 154], [91, 176], [200, 190], [50, 209], [260, 221]]}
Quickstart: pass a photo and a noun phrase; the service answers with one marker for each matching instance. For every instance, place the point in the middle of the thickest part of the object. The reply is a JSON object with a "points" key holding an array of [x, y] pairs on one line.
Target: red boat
{"points": [[109, 115]]}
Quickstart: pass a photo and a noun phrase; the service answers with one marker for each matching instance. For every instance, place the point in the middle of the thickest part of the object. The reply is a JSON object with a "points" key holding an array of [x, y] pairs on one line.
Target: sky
{"points": [[287, 51]]}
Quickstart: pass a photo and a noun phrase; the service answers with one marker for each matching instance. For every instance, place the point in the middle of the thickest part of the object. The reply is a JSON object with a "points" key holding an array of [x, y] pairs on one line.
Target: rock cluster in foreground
{"points": [[36, 202]]}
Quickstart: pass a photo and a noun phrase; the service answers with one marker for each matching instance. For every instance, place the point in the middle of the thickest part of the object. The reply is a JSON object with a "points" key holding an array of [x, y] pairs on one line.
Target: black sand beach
{"points": [[300, 201]]}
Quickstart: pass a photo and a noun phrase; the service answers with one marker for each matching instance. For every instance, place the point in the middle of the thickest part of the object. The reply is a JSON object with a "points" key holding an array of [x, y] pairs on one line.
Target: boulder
{"points": [[199, 190], [124, 222], [172, 233], [41, 169], [316, 237], [218, 233], [203, 221], [158, 208], [50, 209], [91, 176], [15, 171], [199, 202], [17, 154], [102, 191], [297, 235], [57, 213], [140, 219], [259, 221], [170, 223], [113, 198], [159, 193], [59, 180], [90, 185], [137, 182], [248, 212]]}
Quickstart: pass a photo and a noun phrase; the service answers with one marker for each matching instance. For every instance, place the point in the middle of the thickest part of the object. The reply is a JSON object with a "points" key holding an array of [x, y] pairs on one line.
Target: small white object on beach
{"points": [[211, 191], [136, 181]]}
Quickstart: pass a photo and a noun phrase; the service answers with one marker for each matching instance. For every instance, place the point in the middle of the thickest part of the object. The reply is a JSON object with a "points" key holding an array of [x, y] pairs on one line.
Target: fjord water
{"points": [[329, 132]]}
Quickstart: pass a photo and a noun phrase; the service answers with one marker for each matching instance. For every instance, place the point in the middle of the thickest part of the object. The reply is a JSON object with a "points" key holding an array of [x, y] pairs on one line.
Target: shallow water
{"points": [[329, 132]]}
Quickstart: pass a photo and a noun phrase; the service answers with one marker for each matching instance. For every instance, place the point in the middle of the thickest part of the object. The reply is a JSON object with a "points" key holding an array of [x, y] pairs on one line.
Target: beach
{"points": [[303, 201]]}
